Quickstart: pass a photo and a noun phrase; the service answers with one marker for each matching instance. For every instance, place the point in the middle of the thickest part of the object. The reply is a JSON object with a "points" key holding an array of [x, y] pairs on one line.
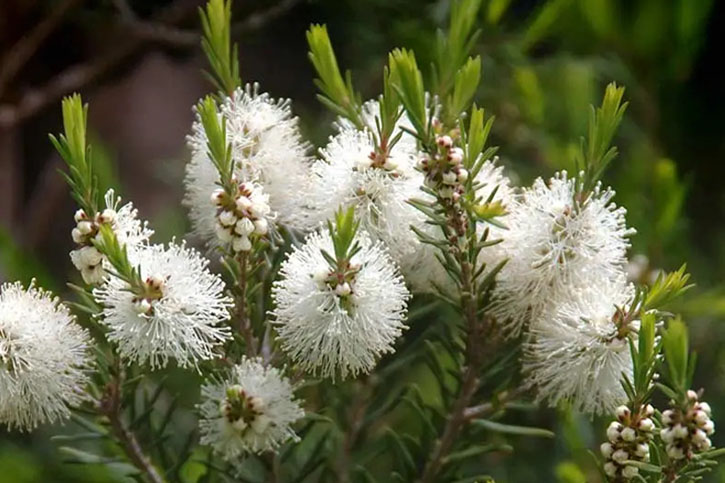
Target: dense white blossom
{"points": [[554, 243], [251, 411], [43, 358], [267, 148], [578, 353], [348, 175], [179, 315], [339, 328], [129, 230]]}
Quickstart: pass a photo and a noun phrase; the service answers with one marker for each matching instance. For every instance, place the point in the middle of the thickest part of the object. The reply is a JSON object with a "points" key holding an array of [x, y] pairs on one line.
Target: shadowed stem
{"points": [[110, 406], [244, 324]]}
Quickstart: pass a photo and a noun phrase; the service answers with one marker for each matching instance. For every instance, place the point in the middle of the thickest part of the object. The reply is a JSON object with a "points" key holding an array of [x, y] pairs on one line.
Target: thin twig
{"points": [[110, 406], [244, 325], [161, 30]]}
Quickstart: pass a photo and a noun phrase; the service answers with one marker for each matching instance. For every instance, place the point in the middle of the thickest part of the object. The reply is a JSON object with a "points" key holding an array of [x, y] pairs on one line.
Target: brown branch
{"points": [[23, 50], [110, 406], [161, 30], [79, 75]]}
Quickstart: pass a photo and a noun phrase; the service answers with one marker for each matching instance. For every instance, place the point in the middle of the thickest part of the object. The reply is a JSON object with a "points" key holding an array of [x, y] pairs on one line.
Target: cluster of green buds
{"points": [[629, 437], [86, 258], [687, 430], [241, 216], [243, 411]]}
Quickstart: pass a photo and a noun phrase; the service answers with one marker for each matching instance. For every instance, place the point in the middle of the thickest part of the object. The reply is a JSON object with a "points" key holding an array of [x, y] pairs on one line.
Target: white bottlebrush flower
{"points": [[129, 230], [250, 412], [179, 315], [267, 148], [341, 329], [348, 176], [577, 352], [44, 358], [553, 244], [427, 269]]}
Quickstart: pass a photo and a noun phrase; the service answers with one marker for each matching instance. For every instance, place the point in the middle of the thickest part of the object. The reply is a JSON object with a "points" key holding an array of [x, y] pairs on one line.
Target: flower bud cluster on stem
{"points": [[629, 437]]}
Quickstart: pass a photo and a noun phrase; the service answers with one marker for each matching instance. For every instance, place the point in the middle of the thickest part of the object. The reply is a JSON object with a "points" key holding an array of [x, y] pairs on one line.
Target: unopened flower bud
{"points": [[708, 427], [143, 306], [241, 244], [449, 178], [93, 275], [222, 233], [700, 418], [85, 227], [610, 468], [343, 289], [649, 410], [629, 434], [667, 416], [462, 175], [646, 424], [80, 215], [620, 456], [675, 452], [456, 155], [260, 226], [607, 449], [705, 407], [390, 164], [217, 196], [244, 227], [445, 141], [227, 218], [622, 412], [243, 203], [613, 431], [680, 431], [642, 450], [76, 235], [260, 209], [692, 395], [630, 471], [107, 216], [667, 435]]}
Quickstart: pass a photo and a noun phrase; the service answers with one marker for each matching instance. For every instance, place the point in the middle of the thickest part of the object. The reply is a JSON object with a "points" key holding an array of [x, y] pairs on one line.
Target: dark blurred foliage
{"points": [[545, 62]]}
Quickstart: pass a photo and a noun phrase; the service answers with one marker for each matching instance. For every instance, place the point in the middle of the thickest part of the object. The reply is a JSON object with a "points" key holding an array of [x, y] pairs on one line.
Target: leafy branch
{"points": [[337, 94], [217, 45], [73, 149]]}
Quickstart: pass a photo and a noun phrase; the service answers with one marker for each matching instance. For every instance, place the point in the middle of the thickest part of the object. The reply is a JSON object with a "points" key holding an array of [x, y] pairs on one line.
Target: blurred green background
{"points": [[138, 64]]}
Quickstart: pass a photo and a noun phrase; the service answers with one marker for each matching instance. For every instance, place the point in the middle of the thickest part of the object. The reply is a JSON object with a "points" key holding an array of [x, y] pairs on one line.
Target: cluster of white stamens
{"points": [[241, 217], [629, 439], [686, 432]]}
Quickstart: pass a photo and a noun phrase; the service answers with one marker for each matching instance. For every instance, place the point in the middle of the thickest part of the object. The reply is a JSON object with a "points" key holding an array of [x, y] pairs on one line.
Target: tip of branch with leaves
{"points": [[217, 45]]}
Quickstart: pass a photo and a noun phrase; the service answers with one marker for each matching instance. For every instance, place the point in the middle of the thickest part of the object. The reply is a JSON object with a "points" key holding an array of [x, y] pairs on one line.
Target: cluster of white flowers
{"points": [[565, 283], [557, 241], [251, 411], [178, 313], [44, 358], [125, 224], [243, 217], [580, 352], [629, 439], [687, 432], [351, 173], [267, 149], [339, 321]]}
